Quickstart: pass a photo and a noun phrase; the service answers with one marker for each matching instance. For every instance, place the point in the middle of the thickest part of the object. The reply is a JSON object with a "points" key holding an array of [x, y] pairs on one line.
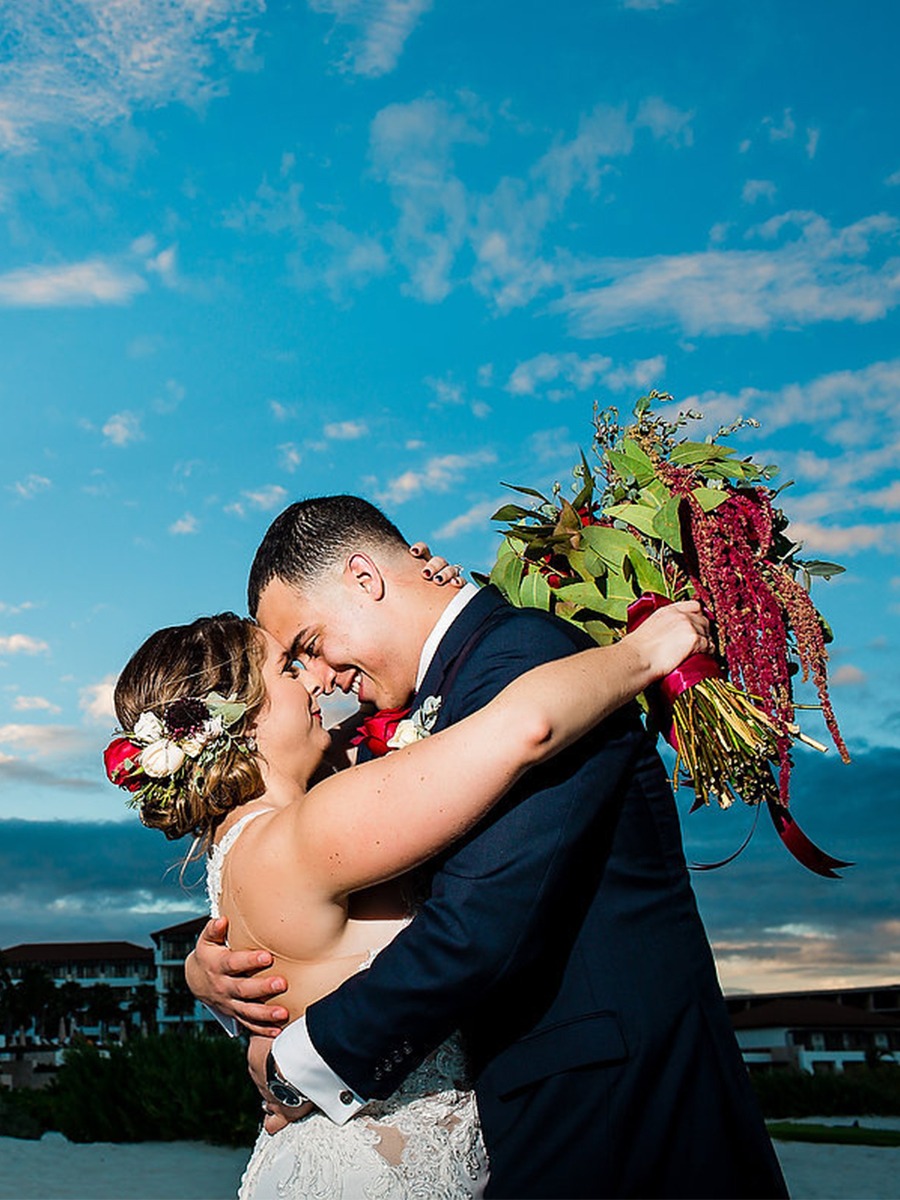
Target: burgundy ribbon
{"points": [[662, 695]]}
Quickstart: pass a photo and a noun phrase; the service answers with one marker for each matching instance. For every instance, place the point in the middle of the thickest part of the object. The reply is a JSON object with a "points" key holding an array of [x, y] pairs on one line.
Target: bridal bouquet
{"points": [[661, 518]]}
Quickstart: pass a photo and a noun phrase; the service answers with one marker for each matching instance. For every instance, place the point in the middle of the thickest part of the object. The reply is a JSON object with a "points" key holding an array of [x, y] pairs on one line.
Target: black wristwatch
{"points": [[283, 1091]]}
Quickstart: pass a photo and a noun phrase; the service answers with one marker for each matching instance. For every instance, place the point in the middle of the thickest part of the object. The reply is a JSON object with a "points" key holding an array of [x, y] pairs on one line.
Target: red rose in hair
{"points": [[122, 761], [376, 731]]}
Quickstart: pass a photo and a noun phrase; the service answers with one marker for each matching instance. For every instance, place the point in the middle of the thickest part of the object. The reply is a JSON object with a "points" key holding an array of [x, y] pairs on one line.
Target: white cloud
{"points": [[476, 517], [289, 456], [893, 180], [381, 28], [847, 676], [819, 274], [756, 189], [21, 643], [13, 610], [35, 704], [446, 391], [185, 525], [812, 142], [346, 431], [96, 699], [281, 412], [848, 540], [580, 373], [45, 741], [93, 63], [273, 495], [123, 428], [646, 5], [781, 130], [30, 486], [439, 474], [94, 281]]}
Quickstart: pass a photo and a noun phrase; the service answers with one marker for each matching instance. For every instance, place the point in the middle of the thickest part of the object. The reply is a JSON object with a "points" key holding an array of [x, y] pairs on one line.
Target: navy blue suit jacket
{"points": [[562, 937]]}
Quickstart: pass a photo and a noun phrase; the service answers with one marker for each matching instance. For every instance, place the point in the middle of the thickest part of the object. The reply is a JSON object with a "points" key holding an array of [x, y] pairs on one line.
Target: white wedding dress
{"points": [[422, 1143]]}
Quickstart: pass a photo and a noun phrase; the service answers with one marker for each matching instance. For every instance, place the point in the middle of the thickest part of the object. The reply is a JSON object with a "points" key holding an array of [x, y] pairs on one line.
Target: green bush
{"points": [[853, 1093], [158, 1088], [24, 1113]]}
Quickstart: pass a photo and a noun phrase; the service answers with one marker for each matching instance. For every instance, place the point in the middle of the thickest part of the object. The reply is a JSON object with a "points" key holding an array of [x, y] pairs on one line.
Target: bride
{"points": [[225, 743]]}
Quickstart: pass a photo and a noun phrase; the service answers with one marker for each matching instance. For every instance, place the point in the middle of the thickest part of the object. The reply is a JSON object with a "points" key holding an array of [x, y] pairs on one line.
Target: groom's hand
{"points": [[277, 1116], [229, 981]]}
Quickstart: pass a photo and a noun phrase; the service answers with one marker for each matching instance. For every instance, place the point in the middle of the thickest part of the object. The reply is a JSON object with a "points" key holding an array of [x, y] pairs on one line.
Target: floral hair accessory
{"points": [[151, 758]]}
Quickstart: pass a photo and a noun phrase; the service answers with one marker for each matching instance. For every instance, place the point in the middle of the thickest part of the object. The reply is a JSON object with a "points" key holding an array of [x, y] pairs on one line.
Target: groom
{"points": [[561, 935]]}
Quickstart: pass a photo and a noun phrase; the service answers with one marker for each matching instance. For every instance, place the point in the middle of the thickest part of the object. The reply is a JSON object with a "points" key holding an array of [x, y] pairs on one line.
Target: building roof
{"points": [[809, 1014], [65, 952], [188, 928]]}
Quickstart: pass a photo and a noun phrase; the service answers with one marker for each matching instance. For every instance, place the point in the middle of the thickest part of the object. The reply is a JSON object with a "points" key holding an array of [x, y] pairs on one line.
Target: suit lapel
{"points": [[457, 641]]}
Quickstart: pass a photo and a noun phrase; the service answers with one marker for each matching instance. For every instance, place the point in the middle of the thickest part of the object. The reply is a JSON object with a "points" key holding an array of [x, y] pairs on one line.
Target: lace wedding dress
{"points": [[422, 1143]]}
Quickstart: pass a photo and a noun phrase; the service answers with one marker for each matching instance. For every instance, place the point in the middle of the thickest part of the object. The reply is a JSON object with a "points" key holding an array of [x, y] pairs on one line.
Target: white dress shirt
{"points": [[297, 1058]]}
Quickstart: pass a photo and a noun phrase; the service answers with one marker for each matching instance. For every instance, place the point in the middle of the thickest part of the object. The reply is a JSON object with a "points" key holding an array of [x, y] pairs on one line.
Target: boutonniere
{"points": [[377, 730], [418, 726]]}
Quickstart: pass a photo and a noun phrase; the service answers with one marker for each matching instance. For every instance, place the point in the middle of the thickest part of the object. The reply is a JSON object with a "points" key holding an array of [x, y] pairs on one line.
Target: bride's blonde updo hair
{"points": [[223, 654]]}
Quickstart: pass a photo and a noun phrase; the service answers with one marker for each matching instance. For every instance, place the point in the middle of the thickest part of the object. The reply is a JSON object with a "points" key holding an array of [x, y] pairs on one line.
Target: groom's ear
{"points": [[362, 572]]}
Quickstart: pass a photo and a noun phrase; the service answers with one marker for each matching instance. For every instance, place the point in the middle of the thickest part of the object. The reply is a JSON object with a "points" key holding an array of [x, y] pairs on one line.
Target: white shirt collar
{"points": [[446, 619]]}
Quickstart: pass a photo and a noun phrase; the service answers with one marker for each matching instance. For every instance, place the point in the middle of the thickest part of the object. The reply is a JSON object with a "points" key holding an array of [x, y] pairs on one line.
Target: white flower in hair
{"points": [[148, 728], [161, 758]]}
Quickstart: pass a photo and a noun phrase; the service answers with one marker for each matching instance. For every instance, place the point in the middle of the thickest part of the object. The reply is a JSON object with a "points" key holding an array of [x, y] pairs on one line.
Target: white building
{"points": [[814, 1035]]}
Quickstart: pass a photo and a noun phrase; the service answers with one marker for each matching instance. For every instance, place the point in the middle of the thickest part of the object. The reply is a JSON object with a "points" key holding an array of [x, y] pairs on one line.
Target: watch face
{"points": [[285, 1094]]}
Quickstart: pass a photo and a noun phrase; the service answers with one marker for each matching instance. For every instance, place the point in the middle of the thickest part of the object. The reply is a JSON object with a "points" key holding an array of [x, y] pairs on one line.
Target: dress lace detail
{"points": [[422, 1143], [215, 860]]}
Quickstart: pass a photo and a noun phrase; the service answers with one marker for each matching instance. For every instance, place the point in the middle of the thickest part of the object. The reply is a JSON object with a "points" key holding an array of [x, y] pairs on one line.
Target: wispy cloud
{"points": [[123, 428], [91, 64], [289, 456], [346, 431], [818, 274], [846, 539], [476, 517], [561, 375], [439, 474], [21, 643], [263, 499], [757, 189], [35, 704], [185, 525], [379, 30], [30, 486], [44, 741], [96, 699], [94, 281]]}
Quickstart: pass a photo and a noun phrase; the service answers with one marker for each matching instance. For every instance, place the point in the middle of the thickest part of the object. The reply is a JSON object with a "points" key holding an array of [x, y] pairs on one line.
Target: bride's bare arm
{"points": [[384, 817]]}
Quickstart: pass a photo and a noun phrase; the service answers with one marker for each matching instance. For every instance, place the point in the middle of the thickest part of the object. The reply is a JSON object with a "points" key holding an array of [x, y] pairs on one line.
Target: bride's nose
{"points": [[312, 685]]}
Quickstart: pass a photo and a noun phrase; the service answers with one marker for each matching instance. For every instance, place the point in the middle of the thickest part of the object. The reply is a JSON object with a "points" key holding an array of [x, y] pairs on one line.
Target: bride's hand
{"points": [[437, 569], [229, 981]]}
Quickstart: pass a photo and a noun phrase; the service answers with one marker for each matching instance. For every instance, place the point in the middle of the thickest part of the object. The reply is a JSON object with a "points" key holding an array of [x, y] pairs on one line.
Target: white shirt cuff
{"points": [[231, 1025], [302, 1065]]}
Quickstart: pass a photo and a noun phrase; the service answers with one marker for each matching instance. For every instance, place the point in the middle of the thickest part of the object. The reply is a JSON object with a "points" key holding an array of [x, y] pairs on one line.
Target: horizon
{"points": [[253, 253]]}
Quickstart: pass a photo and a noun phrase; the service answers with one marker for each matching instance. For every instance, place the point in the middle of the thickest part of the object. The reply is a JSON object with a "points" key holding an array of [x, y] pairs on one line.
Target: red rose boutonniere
{"points": [[378, 729]]}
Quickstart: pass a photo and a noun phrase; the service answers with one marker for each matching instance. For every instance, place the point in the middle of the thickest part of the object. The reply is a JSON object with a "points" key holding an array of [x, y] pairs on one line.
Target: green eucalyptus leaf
{"points": [[603, 634], [535, 592], [641, 516], [584, 595], [648, 575], [611, 545], [709, 498], [643, 467], [511, 512], [526, 491], [228, 709], [816, 566], [690, 454], [667, 525]]}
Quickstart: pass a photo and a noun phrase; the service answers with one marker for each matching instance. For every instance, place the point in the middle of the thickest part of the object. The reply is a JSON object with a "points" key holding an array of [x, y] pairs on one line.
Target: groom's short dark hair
{"points": [[312, 536]]}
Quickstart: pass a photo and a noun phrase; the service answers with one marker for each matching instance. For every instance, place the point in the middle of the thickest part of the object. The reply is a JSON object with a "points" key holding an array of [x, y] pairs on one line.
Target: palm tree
{"points": [[144, 1001], [103, 1006], [36, 996]]}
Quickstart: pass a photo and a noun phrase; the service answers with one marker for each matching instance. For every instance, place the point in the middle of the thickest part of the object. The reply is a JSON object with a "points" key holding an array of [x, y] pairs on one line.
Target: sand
{"points": [[54, 1169]]}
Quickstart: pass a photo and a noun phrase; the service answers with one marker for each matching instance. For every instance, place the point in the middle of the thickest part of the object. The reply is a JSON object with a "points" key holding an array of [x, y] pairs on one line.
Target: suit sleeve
{"points": [[500, 899]]}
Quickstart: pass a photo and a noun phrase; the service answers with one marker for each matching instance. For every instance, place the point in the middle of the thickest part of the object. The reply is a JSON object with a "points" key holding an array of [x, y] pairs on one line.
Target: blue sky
{"points": [[253, 252]]}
